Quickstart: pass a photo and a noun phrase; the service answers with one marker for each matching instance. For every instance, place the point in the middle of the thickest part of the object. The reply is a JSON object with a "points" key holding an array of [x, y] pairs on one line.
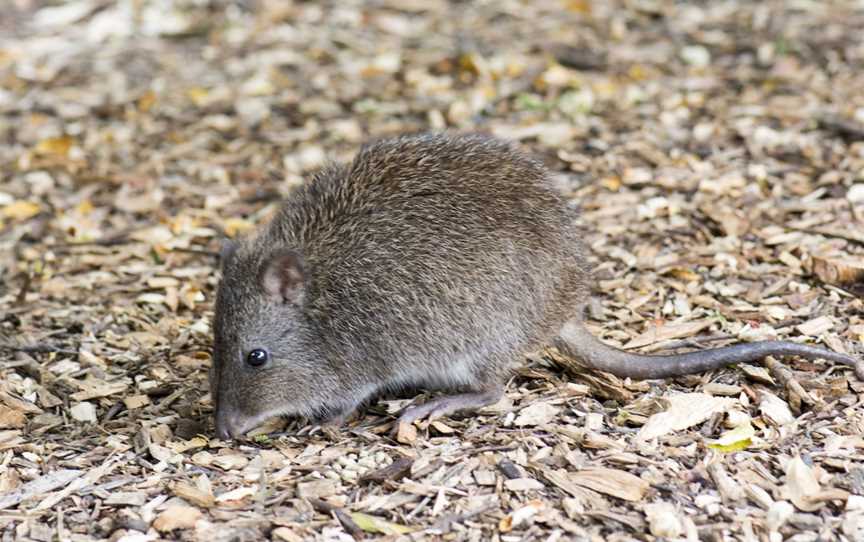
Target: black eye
{"points": [[257, 357]]}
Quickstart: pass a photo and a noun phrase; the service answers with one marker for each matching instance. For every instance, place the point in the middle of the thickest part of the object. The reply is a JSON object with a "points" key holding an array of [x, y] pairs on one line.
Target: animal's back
{"points": [[435, 247]]}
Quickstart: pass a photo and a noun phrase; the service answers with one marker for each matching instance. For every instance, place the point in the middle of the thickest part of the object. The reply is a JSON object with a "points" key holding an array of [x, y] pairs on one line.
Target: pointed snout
{"points": [[228, 426]]}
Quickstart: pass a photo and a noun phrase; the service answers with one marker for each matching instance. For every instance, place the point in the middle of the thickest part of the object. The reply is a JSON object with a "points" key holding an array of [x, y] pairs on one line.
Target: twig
{"points": [[17, 363], [784, 375], [38, 349], [445, 524], [202, 252], [848, 234], [498, 448], [116, 239], [22, 294], [847, 129], [340, 514]]}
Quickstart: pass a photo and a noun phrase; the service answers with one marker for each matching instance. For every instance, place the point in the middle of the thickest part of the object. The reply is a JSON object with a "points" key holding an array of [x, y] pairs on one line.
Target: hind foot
{"points": [[448, 404]]}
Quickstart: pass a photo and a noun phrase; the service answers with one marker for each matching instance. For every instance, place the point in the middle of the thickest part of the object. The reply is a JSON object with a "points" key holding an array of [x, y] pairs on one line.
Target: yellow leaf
{"points": [[605, 90], [198, 95], [373, 524], [612, 183], [146, 101], [470, 62], [183, 224], [734, 440], [730, 448], [21, 210], [56, 146], [637, 72], [582, 7], [236, 226], [682, 273], [84, 208]]}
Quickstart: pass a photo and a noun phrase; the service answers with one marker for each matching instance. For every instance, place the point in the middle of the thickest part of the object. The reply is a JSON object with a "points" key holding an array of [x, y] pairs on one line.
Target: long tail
{"points": [[576, 341]]}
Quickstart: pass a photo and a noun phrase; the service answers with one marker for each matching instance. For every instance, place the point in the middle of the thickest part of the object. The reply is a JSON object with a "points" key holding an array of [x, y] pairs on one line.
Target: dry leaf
{"points": [[759, 374], [736, 439], [778, 514], [84, 412], [133, 199], [374, 524], [44, 484], [186, 445], [853, 526], [160, 453], [685, 410], [237, 495], [94, 388], [816, 326], [230, 461], [90, 478], [616, 483], [198, 95], [539, 413], [838, 271], [802, 486], [406, 433], [11, 418], [664, 520], [19, 404], [136, 401], [523, 484], [317, 489], [726, 390], [176, 517], [56, 146], [286, 534], [775, 409], [20, 210], [442, 427], [520, 516], [235, 227], [667, 332]]}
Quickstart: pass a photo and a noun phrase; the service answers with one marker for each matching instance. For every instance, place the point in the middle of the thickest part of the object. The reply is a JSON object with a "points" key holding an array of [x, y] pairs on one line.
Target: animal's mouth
{"points": [[232, 425]]}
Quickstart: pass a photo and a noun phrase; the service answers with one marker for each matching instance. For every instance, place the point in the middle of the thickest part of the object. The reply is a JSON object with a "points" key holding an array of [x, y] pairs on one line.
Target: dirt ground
{"points": [[716, 150]]}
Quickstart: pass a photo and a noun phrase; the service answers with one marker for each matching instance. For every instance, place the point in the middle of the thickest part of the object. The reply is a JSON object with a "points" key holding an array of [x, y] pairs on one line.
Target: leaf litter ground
{"points": [[716, 151]]}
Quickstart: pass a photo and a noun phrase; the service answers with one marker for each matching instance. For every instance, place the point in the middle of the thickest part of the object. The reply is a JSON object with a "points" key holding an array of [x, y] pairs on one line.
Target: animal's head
{"points": [[266, 362]]}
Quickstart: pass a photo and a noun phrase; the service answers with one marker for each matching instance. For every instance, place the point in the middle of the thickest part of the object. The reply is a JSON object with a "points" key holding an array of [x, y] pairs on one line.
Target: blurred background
{"points": [[162, 106], [163, 125]]}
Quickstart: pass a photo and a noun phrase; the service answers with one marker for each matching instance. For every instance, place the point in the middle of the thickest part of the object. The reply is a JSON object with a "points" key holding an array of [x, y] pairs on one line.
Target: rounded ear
{"points": [[283, 276], [226, 252]]}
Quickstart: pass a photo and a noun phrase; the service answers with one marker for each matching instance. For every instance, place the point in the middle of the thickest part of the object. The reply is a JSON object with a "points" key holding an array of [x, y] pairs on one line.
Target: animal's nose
{"points": [[226, 426]]}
